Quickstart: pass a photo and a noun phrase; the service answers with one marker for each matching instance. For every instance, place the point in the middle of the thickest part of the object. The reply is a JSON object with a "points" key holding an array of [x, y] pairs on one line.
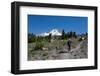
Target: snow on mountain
{"points": [[53, 32]]}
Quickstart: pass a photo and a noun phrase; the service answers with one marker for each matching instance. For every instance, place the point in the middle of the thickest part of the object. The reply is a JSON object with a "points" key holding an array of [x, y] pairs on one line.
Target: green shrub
{"points": [[38, 46], [80, 39], [45, 54], [81, 47], [31, 40]]}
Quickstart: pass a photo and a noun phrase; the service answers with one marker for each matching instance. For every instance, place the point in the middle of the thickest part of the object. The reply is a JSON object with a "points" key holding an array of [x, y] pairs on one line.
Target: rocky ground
{"points": [[78, 51]]}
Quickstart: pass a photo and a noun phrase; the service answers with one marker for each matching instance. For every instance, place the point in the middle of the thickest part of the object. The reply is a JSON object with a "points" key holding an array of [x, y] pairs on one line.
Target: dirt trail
{"points": [[78, 46], [68, 55]]}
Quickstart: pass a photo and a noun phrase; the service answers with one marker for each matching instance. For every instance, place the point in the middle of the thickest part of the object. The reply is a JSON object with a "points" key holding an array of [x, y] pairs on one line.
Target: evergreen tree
{"points": [[63, 34], [74, 34], [71, 34], [31, 37], [49, 37]]}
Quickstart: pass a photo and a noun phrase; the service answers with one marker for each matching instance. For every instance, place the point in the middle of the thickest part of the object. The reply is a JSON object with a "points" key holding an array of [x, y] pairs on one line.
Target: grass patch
{"points": [[81, 47]]}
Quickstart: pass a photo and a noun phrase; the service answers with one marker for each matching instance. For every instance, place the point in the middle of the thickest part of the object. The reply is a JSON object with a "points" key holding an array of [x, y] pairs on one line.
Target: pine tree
{"points": [[63, 34], [49, 37], [74, 34]]}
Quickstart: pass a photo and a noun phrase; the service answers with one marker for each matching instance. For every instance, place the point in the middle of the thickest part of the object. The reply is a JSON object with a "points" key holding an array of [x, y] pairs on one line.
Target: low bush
{"points": [[38, 46], [81, 47], [80, 39]]}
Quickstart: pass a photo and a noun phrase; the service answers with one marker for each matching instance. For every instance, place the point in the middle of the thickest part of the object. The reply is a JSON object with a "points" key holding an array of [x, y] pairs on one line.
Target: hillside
{"points": [[58, 50]]}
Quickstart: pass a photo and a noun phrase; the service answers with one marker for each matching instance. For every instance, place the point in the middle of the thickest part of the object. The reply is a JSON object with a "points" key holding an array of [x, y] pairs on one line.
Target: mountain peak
{"points": [[53, 32]]}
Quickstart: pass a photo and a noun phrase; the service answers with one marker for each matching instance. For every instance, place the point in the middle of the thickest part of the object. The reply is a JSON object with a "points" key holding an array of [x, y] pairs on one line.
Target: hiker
{"points": [[69, 44]]}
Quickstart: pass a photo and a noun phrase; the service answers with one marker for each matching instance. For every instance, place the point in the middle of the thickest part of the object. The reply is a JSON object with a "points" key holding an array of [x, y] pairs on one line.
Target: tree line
{"points": [[33, 38], [68, 35]]}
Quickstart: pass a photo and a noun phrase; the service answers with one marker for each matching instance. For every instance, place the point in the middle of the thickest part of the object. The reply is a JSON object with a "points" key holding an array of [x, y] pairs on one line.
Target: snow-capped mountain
{"points": [[53, 32]]}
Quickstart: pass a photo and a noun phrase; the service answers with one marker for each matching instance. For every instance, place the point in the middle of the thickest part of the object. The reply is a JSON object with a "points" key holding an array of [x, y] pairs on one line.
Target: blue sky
{"points": [[44, 23]]}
